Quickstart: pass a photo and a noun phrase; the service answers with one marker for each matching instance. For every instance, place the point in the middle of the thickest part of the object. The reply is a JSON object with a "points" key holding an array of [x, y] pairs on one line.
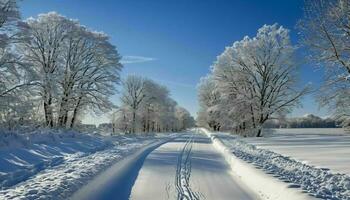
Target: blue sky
{"points": [[174, 42]]}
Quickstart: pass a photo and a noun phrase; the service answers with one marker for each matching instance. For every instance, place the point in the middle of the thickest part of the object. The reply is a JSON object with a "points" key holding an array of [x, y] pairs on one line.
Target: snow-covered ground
{"points": [[322, 148], [53, 165], [287, 164], [316, 181]]}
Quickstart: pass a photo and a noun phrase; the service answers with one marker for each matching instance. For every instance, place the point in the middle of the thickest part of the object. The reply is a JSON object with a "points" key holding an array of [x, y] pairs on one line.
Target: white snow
{"points": [[54, 165], [60, 163], [315, 181], [187, 168], [322, 148]]}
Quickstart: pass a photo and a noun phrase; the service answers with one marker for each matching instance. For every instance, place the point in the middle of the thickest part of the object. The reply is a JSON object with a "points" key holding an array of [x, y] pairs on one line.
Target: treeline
{"points": [[308, 121], [147, 107]]}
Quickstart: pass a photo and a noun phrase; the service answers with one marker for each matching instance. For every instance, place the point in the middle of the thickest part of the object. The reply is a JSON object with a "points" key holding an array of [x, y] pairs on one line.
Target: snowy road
{"points": [[187, 168]]}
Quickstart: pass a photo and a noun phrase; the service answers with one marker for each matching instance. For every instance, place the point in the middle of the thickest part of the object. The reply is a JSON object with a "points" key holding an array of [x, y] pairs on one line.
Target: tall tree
{"points": [[44, 50], [259, 76], [90, 73]]}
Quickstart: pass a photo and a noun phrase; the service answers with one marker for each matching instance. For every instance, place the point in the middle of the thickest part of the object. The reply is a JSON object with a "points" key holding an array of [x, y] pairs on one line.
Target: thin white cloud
{"points": [[179, 84], [136, 59]]}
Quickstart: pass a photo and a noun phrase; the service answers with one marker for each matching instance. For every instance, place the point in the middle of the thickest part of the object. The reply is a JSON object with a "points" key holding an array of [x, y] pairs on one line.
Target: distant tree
{"points": [[153, 106], [133, 95], [184, 118], [307, 121], [121, 120]]}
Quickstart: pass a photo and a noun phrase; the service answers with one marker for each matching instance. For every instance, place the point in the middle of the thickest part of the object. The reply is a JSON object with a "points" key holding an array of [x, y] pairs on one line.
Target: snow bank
{"points": [[55, 166], [24, 155], [294, 177]]}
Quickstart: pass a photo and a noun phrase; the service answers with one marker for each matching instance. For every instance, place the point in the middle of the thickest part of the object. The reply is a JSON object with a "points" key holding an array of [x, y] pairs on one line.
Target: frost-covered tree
{"points": [[132, 96], [8, 12], [78, 69], [325, 31], [166, 120], [90, 73], [152, 108], [55, 66], [256, 78], [43, 51], [16, 76], [184, 118], [209, 101], [10, 71], [121, 120]]}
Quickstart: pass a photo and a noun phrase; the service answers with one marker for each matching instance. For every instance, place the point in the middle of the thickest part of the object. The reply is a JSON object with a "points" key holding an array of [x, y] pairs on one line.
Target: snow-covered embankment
{"points": [[51, 164], [265, 185]]}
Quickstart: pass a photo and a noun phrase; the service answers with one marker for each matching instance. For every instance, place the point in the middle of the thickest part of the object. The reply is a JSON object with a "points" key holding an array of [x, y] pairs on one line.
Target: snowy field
{"points": [[322, 148], [53, 165], [289, 155]]}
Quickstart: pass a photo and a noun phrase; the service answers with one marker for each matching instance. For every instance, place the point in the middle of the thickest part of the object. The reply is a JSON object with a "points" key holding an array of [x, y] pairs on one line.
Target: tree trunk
{"points": [[46, 113], [75, 113], [259, 132], [252, 116], [48, 110], [133, 121], [62, 116]]}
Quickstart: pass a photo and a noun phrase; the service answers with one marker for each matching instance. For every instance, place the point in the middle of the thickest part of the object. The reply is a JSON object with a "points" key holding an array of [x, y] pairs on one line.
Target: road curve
{"points": [[187, 168]]}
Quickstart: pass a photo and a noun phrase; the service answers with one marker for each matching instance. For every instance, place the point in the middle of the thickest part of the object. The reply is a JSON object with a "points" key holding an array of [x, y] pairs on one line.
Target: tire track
{"points": [[183, 173]]}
